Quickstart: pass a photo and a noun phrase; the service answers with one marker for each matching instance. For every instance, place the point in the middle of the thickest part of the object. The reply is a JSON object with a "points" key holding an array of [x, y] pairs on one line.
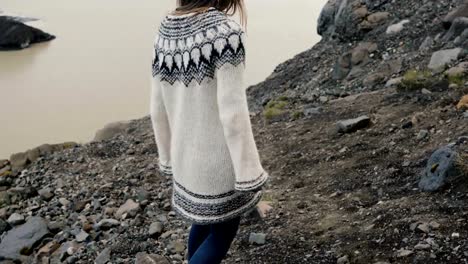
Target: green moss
{"points": [[5, 173], [416, 80], [275, 107], [458, 79], [297, 114]]}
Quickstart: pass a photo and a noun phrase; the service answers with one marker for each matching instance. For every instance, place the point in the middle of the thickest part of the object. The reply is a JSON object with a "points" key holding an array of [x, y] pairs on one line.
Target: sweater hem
{"points": [[252, 184]]}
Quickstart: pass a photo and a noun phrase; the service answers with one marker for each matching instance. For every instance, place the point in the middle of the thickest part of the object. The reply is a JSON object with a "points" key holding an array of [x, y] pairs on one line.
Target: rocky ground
{"points": [[365, 137]]}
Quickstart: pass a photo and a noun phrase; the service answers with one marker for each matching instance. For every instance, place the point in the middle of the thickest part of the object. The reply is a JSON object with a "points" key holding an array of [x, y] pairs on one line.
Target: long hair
{"points": [[230, 7]]}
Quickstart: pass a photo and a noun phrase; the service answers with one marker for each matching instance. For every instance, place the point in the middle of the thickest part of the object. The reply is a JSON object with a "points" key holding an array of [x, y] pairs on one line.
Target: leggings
{"points": [[209, 244]]}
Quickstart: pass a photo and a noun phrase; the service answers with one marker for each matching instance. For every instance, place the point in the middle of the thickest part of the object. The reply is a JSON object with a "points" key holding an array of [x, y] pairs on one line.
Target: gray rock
{"points": [[312, 110], [15, 219], [23, 238], [257, 238], [442, 58], [107, 223], [18, 161], [393, 82], [440, 170], [103, 257], [397, 28], [110, 130], [426, 44], [422, 134], [338, 19], [465, 115], [343, 260], [81, 236], [15, 34], [129, 207], [458, 26], [352, 125], [46, 193], [156, 229], [461, 11], [145, 258], [3, 226]]}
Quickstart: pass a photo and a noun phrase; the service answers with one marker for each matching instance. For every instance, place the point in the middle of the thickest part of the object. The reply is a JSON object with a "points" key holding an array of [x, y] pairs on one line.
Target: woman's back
{"points": [[201, 118]]}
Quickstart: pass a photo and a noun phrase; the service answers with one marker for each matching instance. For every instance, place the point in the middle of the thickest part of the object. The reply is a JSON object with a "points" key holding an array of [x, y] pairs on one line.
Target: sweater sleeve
{"points": [[161, 128], [235, 119]]}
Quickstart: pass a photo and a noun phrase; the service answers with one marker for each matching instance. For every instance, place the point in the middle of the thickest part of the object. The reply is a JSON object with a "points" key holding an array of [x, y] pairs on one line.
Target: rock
{"points": [[393, 82], [64, 202], [352, 125], [107, 223], [339, 19], [312, 110], [422, 246], [46, 193], [442, 58], [460, 70], [465, 115], [19, 161], [403, 253], [103, 257], [21, 239], [397, 28], [176, 247], [422, 134], [156, 229], [443, 167], [343, 260], [463, 104], [257, 238], [15, 219], [374, 20], [110, 130], [426, 44], [458, 26], [129, 207], [81, 236], [144, 258], [461, 11], [3, 226], [17, 35], [424, 228]]}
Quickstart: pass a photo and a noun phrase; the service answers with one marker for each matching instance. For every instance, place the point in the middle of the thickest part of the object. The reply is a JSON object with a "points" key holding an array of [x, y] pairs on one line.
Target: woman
{"points": [[201, 123]]}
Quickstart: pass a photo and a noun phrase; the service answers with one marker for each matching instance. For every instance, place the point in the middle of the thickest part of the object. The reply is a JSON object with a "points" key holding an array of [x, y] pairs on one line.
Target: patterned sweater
{"points": [[200, 117]]}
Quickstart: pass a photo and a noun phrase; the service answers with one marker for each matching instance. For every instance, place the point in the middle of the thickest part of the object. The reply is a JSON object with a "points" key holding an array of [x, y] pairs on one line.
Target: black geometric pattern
{"points": [[196, 56]]}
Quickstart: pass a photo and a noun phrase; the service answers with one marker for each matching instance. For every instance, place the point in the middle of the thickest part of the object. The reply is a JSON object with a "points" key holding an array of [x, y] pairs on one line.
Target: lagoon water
{"points": [[97, 70]]}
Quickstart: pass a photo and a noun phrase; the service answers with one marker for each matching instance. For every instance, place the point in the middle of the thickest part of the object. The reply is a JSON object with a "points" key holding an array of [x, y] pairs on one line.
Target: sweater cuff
{"points": [[165, 169], [254, 184]]}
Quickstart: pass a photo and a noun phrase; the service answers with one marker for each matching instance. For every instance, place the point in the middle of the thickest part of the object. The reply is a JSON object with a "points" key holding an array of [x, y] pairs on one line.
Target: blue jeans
{"points": [[209, 244]]}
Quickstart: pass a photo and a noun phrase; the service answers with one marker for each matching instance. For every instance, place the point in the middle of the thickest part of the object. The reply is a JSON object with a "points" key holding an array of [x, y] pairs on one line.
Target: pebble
{"points": [[257, 238], [422, 134], [15, 219], [156, 229]]}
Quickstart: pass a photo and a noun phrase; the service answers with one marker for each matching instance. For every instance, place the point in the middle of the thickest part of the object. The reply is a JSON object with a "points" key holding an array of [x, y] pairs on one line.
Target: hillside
{"points": [[365, 136]]}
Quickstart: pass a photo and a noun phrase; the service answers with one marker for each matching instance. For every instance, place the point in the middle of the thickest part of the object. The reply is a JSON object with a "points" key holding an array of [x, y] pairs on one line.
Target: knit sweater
{"points": [[200, 117]]}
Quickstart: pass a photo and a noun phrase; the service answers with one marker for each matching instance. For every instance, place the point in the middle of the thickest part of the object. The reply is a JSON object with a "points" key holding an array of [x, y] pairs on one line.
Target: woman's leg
{"points": [[198, 234], [217, 244]]}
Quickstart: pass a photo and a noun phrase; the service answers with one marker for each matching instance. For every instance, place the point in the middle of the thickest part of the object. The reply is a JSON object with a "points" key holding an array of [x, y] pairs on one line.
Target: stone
{"points": [[463, 103], [129, 207], [343, 260], [176, 247], [156, 229], [16, 35], [361, 12], [460, 70], [397, 28], [110, 130], [422, 134], [15, 219], [441, 169], [64, 202], [48, 249], [378, 17], [461, 11], [107, 223], [458, 26], [339, 19], [257, 238], [422, 246], [22, 238], [403, 253], [393, 82], [18, 161], [312, 110], [81, 236], [3, 226], [145, 258], [426, 44], [442, 58], [46, 193], [103, 257], [352, 125]]}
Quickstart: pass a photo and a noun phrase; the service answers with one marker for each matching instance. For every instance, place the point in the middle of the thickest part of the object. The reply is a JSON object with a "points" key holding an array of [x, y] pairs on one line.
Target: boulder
{"points": [[445, 166], [110, 130], [458, 26], [339, 19], [352, 125], [461, 11], [460, 70], [14, 34], [442, 58], [22, 239]]}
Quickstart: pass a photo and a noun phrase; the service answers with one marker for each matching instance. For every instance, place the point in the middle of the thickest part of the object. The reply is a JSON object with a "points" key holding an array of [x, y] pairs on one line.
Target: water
{"points": [[97, 70]]}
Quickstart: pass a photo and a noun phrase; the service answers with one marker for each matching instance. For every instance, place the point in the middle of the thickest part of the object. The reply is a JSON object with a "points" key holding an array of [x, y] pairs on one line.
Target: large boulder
{"points": [[22, 239], [14, 34], [337, 19], [442, 58], [461, 11]]}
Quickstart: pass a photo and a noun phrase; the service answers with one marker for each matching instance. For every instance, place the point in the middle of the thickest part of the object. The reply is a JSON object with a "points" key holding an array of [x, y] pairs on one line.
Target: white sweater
{"points": [[201, 119]]}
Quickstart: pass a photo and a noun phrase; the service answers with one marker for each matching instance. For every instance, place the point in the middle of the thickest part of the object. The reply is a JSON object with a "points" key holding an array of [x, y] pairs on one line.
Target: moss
{"points": [[275, 107], [416, 80], [297, 114], [458, 79], [5, 173]]}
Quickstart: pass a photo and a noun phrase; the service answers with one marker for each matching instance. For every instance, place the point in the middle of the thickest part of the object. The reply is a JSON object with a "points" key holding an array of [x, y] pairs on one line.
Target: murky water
{"points": [[98, 69]]}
